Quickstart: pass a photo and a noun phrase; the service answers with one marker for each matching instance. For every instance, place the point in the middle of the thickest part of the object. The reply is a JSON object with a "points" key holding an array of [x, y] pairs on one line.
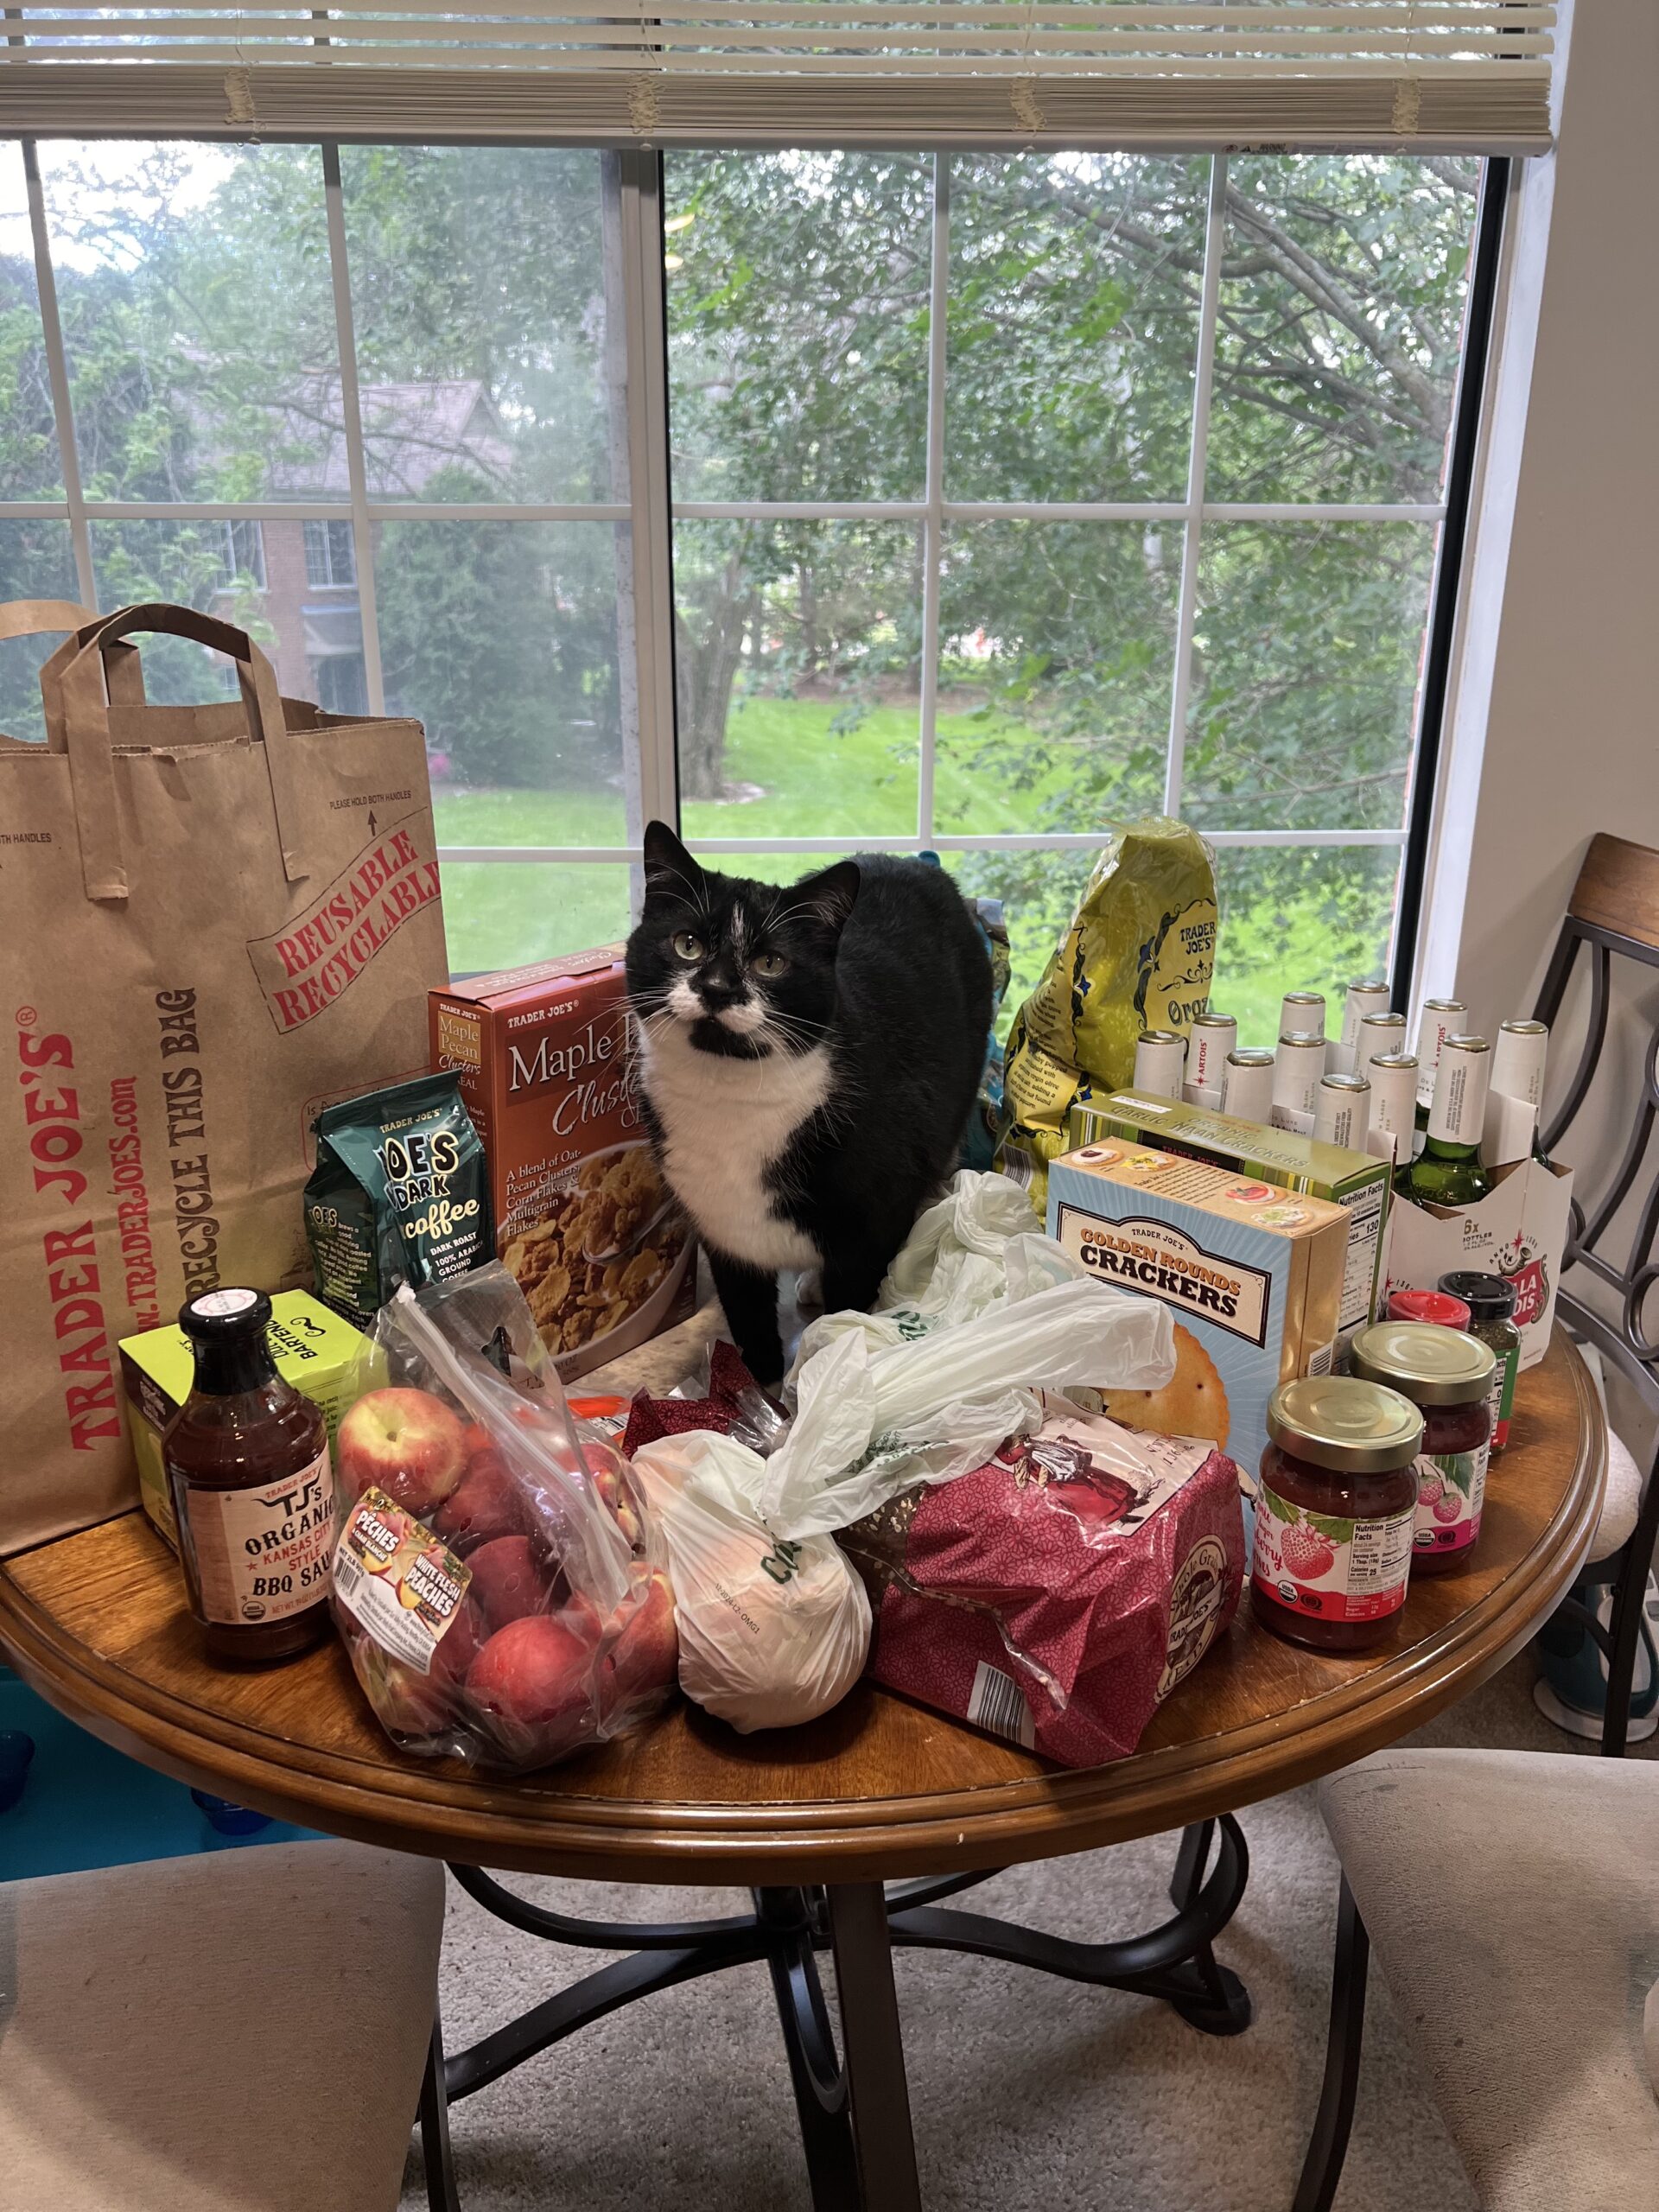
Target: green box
{"points": [[313, 1349], [1356, 1180]]}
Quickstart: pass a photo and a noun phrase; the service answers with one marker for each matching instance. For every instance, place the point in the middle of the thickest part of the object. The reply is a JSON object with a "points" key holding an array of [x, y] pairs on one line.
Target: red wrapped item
{"points": [[1056, 1595], [735, 1406]]}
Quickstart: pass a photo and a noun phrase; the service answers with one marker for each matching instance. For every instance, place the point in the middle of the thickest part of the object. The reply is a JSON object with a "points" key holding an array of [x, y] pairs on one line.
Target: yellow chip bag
{"points": [[1138, 955]]}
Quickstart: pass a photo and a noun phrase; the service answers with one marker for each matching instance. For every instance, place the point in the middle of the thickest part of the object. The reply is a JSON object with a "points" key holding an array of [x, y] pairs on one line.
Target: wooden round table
{"points": [[816, 1820]]}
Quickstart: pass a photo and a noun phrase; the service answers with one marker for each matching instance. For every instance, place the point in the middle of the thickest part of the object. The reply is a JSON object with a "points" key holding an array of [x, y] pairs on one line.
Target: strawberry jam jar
{"points": [[1448, 1377], [1335, 1512]]}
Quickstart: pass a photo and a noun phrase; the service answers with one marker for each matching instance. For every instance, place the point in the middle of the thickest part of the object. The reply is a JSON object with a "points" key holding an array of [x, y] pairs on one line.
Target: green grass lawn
{"points": [[820, 781]]}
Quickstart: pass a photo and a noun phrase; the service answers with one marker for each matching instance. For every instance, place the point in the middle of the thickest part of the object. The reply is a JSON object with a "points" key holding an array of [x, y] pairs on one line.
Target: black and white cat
{"points": [[808, 1057]]}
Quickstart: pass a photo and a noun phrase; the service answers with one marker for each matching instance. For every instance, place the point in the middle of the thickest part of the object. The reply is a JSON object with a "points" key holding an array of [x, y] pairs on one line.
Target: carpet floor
{"points": [[1028, 2094]]}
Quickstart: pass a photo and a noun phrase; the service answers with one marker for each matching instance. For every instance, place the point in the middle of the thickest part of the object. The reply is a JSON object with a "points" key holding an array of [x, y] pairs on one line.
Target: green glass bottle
{"points": [[1447, 1171]]}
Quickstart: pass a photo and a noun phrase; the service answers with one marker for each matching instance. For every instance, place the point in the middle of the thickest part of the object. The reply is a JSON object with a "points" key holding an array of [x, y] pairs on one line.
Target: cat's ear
{"points": [[829, 896], [670, 872]]}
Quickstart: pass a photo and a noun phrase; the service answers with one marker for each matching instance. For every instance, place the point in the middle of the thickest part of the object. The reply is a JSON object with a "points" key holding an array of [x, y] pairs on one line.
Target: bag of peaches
{"points": [[497, 1581]]}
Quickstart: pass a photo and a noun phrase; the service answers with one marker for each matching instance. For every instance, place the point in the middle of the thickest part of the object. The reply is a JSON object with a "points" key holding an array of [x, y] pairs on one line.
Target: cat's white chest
{"points": [[725, 1122]]}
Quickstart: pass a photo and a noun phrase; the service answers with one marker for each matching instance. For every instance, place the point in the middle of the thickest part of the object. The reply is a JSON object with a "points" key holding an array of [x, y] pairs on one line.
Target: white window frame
{"points": [[634, 281]]}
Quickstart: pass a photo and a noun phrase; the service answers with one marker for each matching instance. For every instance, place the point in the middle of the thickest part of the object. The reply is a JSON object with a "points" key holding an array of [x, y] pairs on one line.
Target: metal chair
{"points": [[1519, 1974], [1613, 913]]}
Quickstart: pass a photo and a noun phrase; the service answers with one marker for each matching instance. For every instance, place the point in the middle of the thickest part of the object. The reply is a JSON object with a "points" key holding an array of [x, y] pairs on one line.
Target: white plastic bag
{"points": [[978, 1248], [771, 1633], [874, 1419]]}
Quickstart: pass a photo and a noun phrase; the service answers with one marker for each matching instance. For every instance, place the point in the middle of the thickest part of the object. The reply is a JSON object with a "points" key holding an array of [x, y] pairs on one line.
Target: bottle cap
{"points": [[1340, 1422], [213, 1315], [1430, 1366], [1488, 1298], [1444, 1310]]}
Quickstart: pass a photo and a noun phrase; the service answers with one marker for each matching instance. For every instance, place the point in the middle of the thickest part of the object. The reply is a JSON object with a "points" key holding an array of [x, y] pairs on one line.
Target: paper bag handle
{"points": [[34, 618], [97, 668]]}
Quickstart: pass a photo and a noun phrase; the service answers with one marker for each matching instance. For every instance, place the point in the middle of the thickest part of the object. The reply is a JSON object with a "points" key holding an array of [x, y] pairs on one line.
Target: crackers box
{"points": [[1518, 1231], [1253, 1272], [313, 1349], [1357, 1181], [582, 1218]]}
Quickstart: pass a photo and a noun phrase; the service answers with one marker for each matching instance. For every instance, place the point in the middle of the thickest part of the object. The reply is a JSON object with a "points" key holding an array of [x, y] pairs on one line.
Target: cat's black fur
{"points": [[875, 1028]]}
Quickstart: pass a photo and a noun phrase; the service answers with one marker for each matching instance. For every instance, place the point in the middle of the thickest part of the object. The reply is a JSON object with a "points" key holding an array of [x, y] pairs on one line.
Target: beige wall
{"points": [[1554, 729], [1570, 722]]}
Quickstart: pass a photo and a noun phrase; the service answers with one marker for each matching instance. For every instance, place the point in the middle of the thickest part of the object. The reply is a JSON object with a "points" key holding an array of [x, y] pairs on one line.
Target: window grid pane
{"points": [[227, 564]]}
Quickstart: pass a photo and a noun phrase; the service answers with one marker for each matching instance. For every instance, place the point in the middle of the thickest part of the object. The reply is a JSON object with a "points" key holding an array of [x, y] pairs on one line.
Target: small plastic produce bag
{"points": [[874, 1418], [1138, 955], [497, 1581], [1058, 1593], [771, 1633]]}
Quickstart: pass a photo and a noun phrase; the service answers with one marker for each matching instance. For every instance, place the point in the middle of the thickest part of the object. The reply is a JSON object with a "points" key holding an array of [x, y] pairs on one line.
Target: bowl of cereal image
{"points": [[602, 1258]]}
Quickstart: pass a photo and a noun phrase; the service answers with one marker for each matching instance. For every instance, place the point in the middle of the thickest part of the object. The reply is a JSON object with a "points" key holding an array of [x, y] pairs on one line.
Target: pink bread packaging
{"points": [[1057, 1595]]}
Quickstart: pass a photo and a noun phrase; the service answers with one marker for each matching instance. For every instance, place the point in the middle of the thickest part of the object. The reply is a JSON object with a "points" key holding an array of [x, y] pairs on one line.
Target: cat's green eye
{"points": [[688, 946], [769, 963]]}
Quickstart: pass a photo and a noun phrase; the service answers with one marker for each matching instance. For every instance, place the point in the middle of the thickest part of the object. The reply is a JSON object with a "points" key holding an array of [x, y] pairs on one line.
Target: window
{"points": [[1017, 493], [1004, 493], [330, 560], [244, 556]]}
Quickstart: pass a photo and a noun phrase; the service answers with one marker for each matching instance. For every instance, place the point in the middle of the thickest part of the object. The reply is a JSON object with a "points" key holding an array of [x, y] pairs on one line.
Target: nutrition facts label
{"points": [[1364, 1210]]}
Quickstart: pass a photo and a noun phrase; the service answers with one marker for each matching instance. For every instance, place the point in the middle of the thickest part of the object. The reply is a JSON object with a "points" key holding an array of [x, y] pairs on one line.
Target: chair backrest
{"points": [[1612, 914]]}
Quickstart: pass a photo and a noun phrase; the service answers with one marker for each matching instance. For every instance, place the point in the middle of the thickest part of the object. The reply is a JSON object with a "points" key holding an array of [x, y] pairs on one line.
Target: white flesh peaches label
{"points": [[393, 1575]]}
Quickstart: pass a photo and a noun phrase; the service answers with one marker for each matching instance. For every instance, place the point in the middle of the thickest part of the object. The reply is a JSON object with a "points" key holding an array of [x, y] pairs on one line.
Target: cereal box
{"points": [[582, 1218], [1357, 1181], [1254, 1272]]}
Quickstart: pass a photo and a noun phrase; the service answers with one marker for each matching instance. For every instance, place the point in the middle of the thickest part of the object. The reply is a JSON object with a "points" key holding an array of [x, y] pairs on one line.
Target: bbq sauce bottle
{"points": [[253, 1491]]}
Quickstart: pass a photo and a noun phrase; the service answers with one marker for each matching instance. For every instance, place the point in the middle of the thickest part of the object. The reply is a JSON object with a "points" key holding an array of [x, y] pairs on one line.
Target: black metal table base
{"points": [[851, 2096]]}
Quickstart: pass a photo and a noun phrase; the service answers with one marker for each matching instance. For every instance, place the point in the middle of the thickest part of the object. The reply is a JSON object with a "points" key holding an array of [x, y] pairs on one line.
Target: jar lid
{"points": [[1445, 1311], [1340, 1422], [1488, 1298], [1431, 1366]]}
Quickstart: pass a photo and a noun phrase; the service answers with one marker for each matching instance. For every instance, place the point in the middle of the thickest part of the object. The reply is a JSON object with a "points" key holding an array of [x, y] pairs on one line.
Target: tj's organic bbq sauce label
{"points": [[261, 1553], [1328, 1567]]}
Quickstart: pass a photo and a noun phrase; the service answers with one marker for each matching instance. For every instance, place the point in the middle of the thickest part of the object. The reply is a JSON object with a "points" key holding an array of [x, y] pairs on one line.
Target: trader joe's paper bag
{"points": [[1138, 955], [215, 919]]}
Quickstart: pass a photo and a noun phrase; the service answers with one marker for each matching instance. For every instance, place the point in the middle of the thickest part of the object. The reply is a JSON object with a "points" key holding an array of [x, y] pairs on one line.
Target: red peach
{"points": [[405, 1701], [402, 1441], [533, 1674], [488, 1501], [610, 1487], [509, 1580], [646, 1653]]}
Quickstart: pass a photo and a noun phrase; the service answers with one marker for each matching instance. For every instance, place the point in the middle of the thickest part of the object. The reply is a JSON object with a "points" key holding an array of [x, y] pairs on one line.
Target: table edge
{"points": [[1033, 1817]]}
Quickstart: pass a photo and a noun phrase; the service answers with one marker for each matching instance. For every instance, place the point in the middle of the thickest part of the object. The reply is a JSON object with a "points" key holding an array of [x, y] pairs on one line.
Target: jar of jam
{"points": [[1336, 1512], [1490, 1302], [1448, 1377], [253, 1493], [1434, 1305]]}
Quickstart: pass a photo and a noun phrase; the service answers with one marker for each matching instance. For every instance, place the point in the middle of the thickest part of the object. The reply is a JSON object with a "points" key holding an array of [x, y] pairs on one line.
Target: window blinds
{"points": [[1445, 75]]}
